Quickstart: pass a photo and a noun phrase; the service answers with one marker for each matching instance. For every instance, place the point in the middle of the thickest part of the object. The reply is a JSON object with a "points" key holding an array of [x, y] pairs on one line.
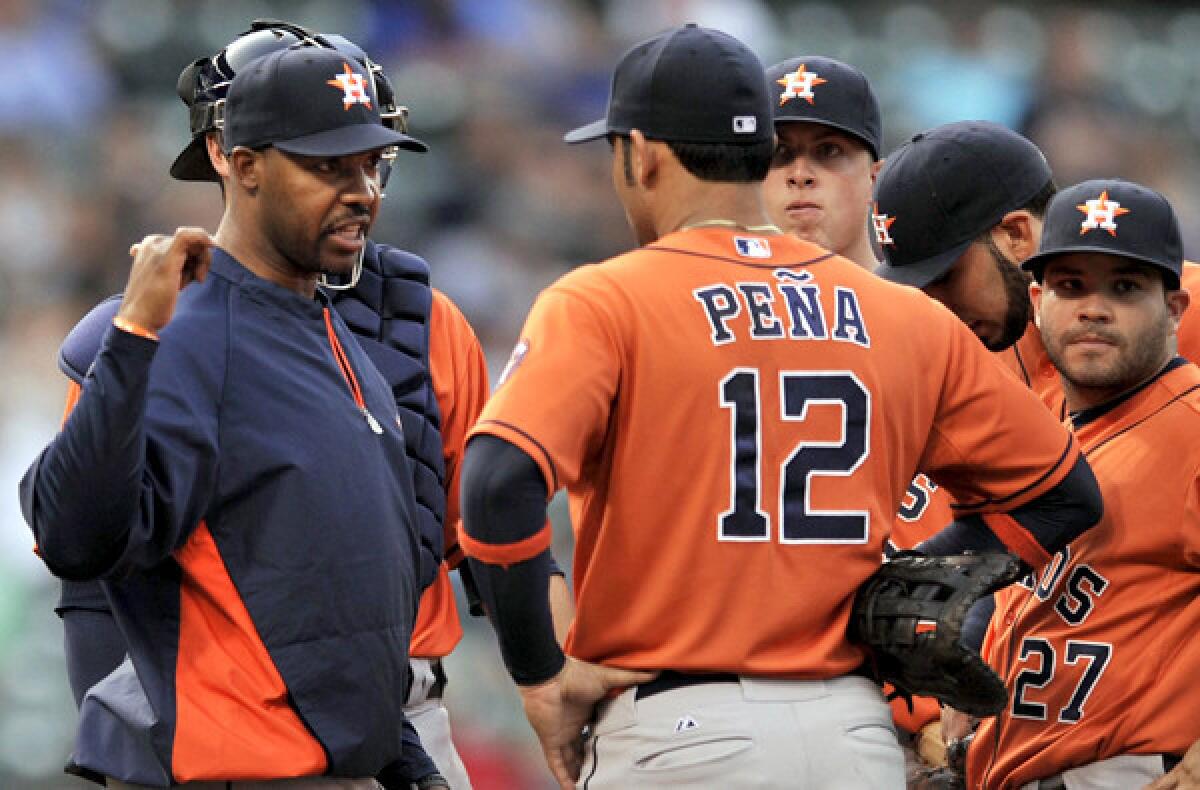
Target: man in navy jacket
{"points": [[235, 469]]}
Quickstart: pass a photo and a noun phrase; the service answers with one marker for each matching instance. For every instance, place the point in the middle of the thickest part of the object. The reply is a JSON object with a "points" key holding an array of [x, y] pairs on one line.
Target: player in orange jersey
{"points": [[735, 417], [1099, 650], [828, 130], [958, 208]]}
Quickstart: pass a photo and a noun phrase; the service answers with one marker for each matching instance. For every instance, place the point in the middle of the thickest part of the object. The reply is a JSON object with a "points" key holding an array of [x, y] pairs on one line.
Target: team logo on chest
{"points": [[799, 84], [881, 223], [353, 86], [1100, 213]]}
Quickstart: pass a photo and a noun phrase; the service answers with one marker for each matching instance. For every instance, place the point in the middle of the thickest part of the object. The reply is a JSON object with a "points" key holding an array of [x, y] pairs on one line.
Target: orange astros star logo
{"points": [[799, 84], [353, 87], [881, 223], [1101, 213]]}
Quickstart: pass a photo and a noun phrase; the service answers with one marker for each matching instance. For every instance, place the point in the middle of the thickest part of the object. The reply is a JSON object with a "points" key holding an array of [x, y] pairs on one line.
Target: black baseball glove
{"points": [[910, 614]]}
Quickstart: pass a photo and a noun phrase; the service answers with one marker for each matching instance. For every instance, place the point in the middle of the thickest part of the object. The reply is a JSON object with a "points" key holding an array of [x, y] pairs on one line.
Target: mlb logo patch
{"points": [[745, 124], [752, 247]]}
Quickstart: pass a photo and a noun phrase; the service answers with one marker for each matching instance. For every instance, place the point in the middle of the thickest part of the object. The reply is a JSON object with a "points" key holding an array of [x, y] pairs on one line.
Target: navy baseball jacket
{"points": [[242, 488]]}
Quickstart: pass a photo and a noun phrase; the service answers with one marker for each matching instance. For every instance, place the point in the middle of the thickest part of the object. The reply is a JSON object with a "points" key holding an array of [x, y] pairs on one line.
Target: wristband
{"points": [[125, 325]]}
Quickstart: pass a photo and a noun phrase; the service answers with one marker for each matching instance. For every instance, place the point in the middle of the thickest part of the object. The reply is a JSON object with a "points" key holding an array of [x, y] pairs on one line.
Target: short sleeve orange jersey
{"points": [[1100, 655], [736, 419], [460, 382], [1030, 362]]}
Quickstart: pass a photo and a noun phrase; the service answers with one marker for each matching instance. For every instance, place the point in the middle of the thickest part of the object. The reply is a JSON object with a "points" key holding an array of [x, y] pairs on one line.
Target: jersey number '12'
{"points": [[745, 519]]}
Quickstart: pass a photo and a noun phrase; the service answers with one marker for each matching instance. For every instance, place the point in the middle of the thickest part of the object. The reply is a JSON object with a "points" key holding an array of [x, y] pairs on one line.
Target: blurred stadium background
{"points": [[89, 123]]}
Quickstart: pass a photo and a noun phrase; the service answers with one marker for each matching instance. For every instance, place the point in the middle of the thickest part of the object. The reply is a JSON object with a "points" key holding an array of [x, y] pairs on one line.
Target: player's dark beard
{"points": [[1016, 291], [302, 250], [1142, 354]]}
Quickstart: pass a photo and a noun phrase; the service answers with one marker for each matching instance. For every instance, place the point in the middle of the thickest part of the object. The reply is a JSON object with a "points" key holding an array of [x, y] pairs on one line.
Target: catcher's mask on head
{"points": [[202, 86]]}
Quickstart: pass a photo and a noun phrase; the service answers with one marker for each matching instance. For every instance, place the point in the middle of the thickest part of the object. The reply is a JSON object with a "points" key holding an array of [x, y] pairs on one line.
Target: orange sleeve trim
{"points": [[1017, 538], [125, 325], [74, 391], [508, 553]]}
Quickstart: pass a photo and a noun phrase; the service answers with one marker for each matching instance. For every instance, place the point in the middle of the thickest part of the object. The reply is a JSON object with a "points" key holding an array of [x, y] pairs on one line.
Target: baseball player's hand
{"points": [[1185, 776], [930, 745], [434, 781], [956, 725], [559, 708], [162, 267]]}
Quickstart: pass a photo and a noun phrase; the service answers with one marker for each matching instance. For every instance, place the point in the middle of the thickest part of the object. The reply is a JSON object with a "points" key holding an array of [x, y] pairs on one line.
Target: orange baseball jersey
{"points": [[460, 381], [1030, 362], [736, 419], [1100, 653]]}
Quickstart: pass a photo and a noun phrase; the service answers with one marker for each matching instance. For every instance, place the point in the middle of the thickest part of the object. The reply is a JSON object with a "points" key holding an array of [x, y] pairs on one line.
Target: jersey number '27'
{"points": [[799, 523]]}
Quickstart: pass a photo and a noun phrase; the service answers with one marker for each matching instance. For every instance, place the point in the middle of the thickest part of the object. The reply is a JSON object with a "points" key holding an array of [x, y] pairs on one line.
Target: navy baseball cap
{"points": [[310, 101], [829, 92], [943, 189], [1112, 217], [688, 85]]}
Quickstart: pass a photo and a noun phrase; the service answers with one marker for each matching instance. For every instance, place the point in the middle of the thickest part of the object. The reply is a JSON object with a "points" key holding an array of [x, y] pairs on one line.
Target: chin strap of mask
{"points": [[327, 283]]}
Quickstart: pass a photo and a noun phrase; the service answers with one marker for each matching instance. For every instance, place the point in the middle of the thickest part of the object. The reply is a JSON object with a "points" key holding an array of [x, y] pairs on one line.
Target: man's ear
{"points": [[1017, 234], [1035, 296], [216, 155], [876, 166], [1177, 304], [646, 159], [245, 167]]}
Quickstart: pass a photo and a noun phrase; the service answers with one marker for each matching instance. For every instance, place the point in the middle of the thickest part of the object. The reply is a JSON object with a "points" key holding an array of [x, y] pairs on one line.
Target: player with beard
{"points": [[957, 209], [1102, 690], [203, 474], [710, 342]]}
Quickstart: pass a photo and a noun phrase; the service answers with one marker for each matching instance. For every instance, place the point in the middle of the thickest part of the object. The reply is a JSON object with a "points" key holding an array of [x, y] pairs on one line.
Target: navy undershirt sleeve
{"points": [[504, 501], [1054, 519]]}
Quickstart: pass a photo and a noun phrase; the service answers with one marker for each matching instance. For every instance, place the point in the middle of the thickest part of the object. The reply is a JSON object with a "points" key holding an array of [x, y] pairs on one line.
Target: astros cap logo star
{"points": [[799, 84], [1101, 213], [881, 223], [353, 87]]}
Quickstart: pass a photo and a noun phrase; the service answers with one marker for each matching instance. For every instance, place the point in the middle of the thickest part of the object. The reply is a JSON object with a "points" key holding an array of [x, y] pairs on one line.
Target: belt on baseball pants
{"points": [[439, 674], [437, 688], [1057, 782], [669, 679]]}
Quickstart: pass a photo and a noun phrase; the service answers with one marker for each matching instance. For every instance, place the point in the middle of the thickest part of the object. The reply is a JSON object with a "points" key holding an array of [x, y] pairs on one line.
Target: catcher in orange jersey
{"points": [[1102, 690], [829, 130], [734, 415]]}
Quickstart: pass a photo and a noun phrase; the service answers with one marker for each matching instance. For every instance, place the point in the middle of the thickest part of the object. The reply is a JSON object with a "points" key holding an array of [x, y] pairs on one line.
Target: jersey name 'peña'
{"points": [[788, 308]]}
